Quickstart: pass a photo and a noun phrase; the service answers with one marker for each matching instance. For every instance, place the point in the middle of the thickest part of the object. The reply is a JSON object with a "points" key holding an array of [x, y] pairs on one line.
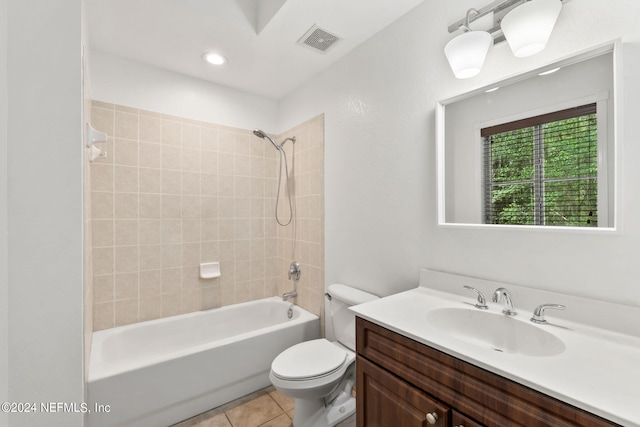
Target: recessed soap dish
{"points": [[209, 270]]}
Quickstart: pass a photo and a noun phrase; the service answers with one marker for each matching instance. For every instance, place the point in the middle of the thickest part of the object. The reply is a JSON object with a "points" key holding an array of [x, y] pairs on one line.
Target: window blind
{"points": [[543, 170]]}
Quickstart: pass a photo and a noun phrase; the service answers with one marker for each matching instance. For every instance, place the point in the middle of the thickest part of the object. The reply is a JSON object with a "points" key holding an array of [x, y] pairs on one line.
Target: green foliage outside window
{"points": [[544, 174]]}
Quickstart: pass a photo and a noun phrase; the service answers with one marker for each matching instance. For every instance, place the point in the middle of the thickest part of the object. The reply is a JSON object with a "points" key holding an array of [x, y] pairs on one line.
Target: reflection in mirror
{"points": [[538, 151]]}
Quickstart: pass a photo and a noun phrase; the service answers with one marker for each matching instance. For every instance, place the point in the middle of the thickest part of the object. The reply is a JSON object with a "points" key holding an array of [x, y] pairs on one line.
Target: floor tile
{"points": [[254, 412], [281, 421], [285, 402]]}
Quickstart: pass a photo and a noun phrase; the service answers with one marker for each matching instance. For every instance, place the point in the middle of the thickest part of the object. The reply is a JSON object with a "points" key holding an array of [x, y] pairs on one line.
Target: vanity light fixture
{"points": [[526, 25], [466, 52], [214, 58]]}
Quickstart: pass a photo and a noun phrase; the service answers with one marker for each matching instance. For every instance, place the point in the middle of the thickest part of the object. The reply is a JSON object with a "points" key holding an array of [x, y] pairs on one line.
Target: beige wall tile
{"points": [[101, 177], [103, 290], [209, 138], [150, 231], [102, 232], [150, 180], [103, 261], [150, 282], [171, 231], [150, 257], [126, 205], [226, 163], [171, 206], [190, 183], [126, 259], [126, 312], [171, 255], [150, 206], [126, 285], [171, 280], [150, 155], [171, 157], [149, 128], [209, 207], [171, 182], [209, 161], [126, 152], [171, 132], [190, 136], [150, 308], [191, 206], [171, 304], [103, 316], [101, 205], [209, 184], [226, 141], [126, 125], [126, 232], [191, 230], [175, 192], [103, 120]]}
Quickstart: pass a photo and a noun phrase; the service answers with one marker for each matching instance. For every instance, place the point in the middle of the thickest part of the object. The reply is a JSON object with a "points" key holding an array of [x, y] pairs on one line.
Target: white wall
{"points": [[117, 80], [44, 203], [4, 307], [380, 177]]}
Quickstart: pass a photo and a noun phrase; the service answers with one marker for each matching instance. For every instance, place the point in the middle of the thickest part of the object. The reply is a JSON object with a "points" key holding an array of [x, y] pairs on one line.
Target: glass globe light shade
{"points": [[466, 53], [528, 27]]}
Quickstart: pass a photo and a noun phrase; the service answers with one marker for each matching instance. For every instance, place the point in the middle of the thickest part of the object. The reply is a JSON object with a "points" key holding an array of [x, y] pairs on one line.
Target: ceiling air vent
{"points": [[318, 39]]}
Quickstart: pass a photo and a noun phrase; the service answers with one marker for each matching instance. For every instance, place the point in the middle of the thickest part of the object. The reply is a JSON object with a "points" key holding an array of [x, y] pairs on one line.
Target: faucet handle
{"points": [[538, 313], [482, 303]]}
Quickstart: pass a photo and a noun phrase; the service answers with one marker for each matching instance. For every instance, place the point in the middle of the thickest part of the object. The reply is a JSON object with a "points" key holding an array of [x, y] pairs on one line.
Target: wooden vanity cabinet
{"points": [[403, 383]]}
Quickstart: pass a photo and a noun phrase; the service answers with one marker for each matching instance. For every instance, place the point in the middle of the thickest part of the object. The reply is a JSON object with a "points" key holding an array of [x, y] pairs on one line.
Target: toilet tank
{"points": [[344, 320]]}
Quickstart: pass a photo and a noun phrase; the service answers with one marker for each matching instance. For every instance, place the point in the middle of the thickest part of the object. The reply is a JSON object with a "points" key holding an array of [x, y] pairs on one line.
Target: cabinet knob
{"points": [[432, 418]]}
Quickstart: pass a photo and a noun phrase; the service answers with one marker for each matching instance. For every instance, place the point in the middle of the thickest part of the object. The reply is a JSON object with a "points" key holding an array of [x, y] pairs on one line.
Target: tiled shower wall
{"points": [[173, 193], [307, 183]]}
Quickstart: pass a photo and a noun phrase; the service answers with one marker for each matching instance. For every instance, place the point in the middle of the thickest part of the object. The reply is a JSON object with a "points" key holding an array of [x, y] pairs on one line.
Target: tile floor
{"points": [[264, 408]]}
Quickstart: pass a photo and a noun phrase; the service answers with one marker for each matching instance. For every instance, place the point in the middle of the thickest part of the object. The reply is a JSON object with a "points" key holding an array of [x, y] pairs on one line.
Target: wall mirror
{"points": [[536, 150]]}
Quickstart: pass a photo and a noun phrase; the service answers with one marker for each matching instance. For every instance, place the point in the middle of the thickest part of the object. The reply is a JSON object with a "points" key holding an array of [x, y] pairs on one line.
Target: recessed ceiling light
{"points": [[214, 58], [549, 72]]}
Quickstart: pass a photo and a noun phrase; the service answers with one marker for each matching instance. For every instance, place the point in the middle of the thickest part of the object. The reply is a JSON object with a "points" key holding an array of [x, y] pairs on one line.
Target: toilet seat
{"points": [[309, 360]]}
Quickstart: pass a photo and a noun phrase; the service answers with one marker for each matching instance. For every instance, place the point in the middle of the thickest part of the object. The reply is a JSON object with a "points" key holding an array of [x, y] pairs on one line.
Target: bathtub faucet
{"points": [[289, 295]]}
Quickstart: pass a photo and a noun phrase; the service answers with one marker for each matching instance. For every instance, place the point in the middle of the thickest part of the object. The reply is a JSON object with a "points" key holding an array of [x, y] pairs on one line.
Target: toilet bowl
{"points": [[320, 374]]}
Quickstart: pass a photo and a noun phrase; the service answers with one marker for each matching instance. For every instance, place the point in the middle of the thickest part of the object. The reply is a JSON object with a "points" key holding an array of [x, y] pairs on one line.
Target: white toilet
{"points": [[319, 374]]}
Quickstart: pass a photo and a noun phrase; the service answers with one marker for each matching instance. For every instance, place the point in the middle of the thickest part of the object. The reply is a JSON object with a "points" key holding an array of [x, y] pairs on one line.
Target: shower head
{"points": [[261, 134]]}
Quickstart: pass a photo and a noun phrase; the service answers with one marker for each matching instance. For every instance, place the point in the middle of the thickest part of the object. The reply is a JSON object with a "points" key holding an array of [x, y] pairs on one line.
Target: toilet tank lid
{"points": [[349, 295]]}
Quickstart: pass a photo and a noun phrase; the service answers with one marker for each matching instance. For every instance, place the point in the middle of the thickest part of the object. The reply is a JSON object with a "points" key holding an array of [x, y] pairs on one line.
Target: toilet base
{"points": [[313, 412]]}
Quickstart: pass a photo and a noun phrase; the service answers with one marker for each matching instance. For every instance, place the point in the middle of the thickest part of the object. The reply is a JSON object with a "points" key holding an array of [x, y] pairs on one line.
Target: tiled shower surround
{"points": [[174, 192]]}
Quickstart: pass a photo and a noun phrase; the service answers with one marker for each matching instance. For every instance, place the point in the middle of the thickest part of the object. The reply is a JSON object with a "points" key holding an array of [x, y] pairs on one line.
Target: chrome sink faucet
{"points": [[538, 313], [503, 294], [481, 302]]}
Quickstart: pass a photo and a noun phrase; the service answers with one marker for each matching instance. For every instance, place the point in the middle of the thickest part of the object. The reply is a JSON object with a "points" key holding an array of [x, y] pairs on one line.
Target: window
{"points": [[543, 170]]}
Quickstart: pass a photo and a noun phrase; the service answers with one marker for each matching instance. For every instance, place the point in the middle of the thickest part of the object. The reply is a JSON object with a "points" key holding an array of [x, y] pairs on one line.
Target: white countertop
{"points": [[598, 371]]}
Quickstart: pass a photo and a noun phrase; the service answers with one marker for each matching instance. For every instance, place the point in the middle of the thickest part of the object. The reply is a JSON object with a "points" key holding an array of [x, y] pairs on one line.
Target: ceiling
{"points": [[257, 36]]}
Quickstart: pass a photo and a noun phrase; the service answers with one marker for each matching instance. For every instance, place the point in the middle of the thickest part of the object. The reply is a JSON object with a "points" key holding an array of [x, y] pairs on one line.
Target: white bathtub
{"points": [[161, 372]]}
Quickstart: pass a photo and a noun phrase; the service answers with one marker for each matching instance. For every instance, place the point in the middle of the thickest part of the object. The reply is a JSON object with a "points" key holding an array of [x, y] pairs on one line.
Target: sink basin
{"points": [[495, 331]]}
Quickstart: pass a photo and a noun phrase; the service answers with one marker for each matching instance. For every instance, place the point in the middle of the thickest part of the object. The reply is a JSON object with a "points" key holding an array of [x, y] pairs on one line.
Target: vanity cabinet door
{"points": [[459, 420], [384, 400]]}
